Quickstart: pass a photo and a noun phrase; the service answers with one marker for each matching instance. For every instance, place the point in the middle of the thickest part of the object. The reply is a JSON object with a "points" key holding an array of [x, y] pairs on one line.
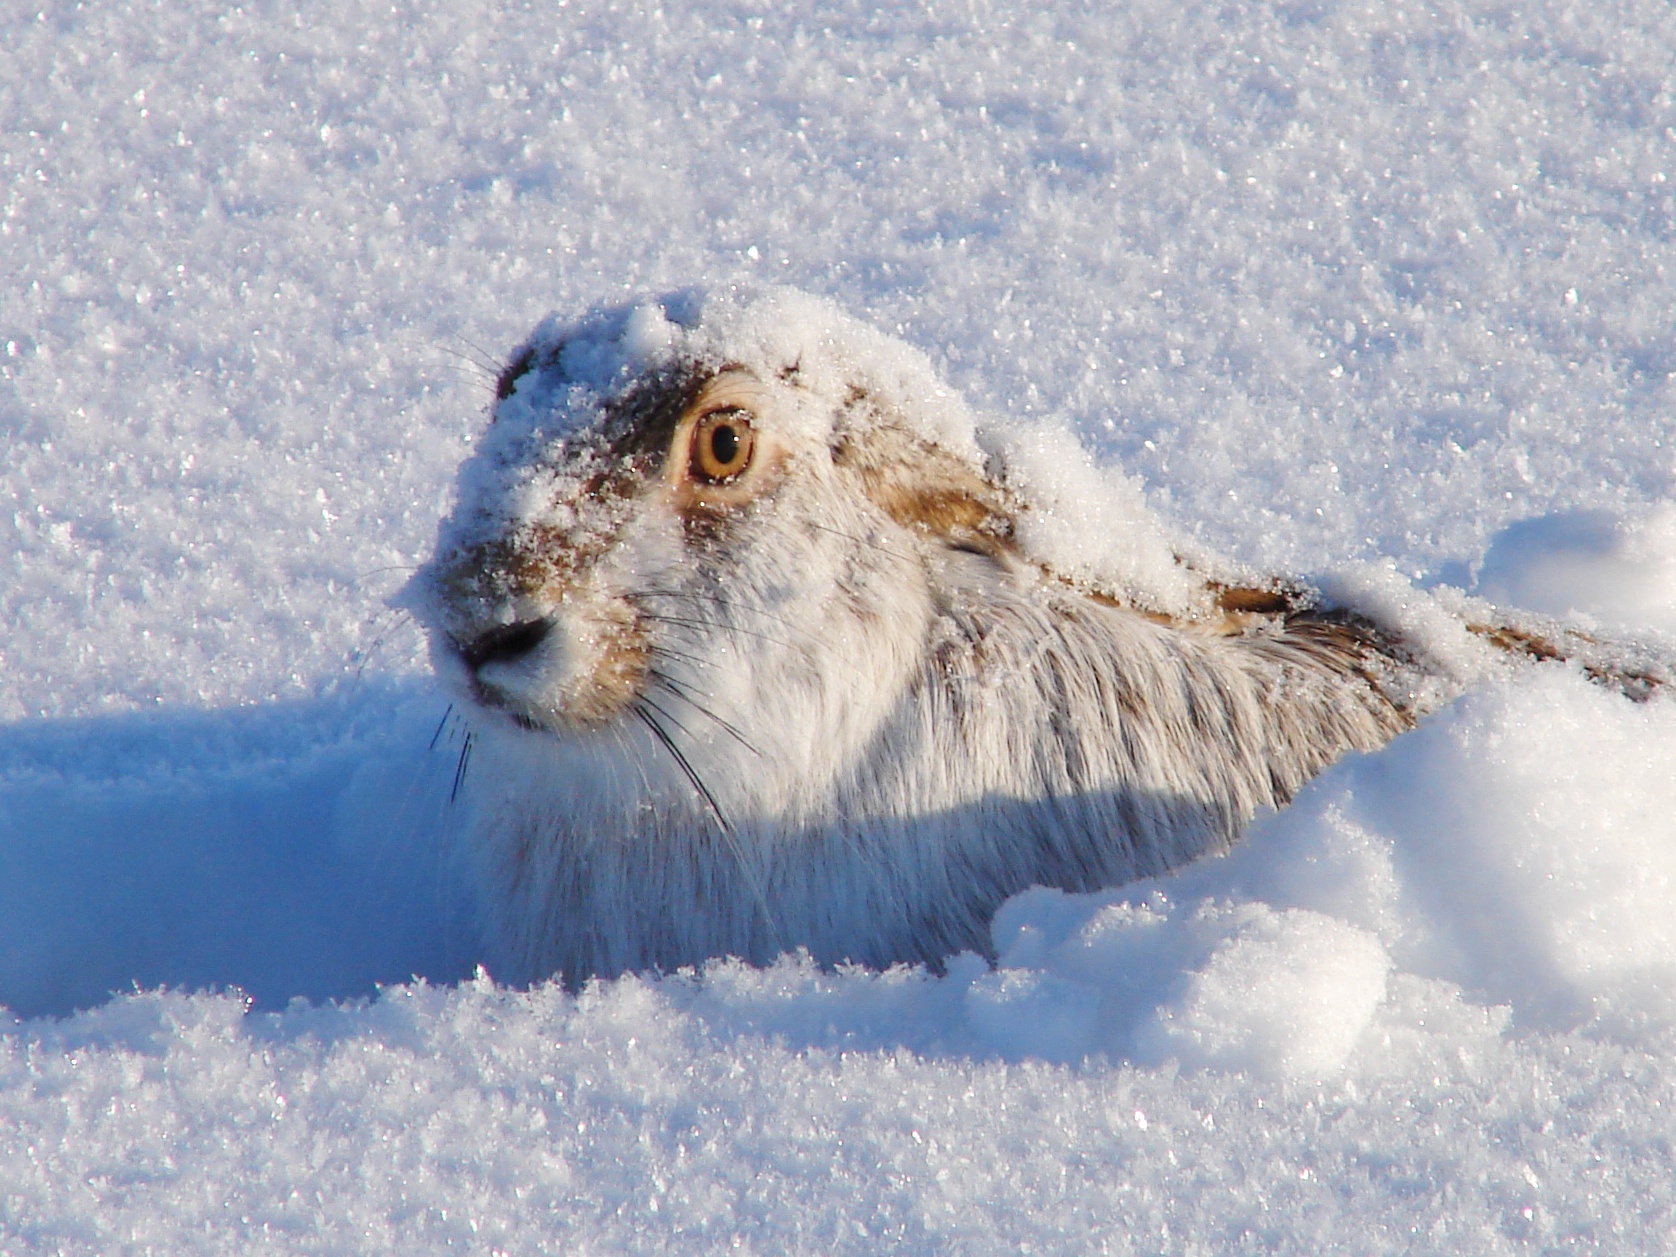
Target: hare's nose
{"points": [[507, 644]]}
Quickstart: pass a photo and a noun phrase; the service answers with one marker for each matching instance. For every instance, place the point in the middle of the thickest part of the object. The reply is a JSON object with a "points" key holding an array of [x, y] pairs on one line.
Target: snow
{"points": [[1594, 566], [1091, 523], [1373, 290]]}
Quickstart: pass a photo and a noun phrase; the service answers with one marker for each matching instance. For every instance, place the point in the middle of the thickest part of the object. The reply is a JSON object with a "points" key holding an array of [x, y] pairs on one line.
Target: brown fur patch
{"points": [[1266, 600], [1245, 608], [1637, 684], [1101, 598], [1242, 609], [923, 487], [1344, 643], [642, 423], [619, 671], [1517, 641]]}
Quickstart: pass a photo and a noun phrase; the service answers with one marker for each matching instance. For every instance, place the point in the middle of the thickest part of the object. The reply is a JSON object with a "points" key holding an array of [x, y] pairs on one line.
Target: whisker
{"points": [[712, 599], [620, 732], [746, 869], [486, 359], [484, 363], [683, 692], [668, 715], [469, 368], [697, 661], [862, 541], [364, 658], [721, 626], [662, 735], [460, 768], [440, 725]]}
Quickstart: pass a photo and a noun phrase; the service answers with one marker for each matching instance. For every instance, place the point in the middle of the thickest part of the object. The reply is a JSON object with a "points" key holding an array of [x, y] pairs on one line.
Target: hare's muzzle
{"points": [[505, 644], [560, 671]]}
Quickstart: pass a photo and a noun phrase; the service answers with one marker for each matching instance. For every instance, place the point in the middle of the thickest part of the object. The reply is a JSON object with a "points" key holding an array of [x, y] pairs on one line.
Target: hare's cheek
{"points": [[611, 668]]}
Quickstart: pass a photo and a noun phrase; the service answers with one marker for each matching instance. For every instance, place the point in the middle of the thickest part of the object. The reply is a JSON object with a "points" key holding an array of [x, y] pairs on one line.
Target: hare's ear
{"points": [[516, 368], [922, 486]]}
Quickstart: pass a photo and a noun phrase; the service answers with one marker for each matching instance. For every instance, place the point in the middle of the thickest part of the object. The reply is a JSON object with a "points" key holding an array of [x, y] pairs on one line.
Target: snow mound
{"points": [[1521, 845], [1283, 994], [1596, 565]]}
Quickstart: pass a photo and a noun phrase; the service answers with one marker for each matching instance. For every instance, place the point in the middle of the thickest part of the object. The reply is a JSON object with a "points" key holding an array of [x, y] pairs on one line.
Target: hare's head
{"points": [[713, 519]]}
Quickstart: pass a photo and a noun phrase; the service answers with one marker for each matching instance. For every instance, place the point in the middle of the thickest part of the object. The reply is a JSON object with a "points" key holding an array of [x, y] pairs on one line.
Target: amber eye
{"points": [[722, 444]]}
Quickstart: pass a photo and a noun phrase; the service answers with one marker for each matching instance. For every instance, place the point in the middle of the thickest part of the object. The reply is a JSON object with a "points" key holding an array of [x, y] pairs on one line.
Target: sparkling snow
{"points": [[1322, 284]]}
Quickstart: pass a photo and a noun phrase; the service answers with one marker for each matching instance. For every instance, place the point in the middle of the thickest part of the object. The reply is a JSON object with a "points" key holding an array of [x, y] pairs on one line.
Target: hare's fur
{"points": [[830, 703]]}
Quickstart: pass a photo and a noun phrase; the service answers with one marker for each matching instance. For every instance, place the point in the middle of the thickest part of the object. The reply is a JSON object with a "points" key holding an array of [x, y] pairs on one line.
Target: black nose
{"points": [[505, 644]]}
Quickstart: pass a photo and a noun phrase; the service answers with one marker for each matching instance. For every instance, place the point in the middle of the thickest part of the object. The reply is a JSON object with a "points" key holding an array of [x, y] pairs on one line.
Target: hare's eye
{"points": [[722, 444]]}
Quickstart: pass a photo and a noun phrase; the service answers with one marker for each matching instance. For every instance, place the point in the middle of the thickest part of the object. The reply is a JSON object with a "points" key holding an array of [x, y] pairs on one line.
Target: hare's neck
{"points": [[1166, 735]]}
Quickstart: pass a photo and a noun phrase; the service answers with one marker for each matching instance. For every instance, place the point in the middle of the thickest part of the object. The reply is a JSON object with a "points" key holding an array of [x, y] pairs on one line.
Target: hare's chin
{"points": [[495, 701], [556, 706], [548, 721], [532, 706], [525, 723]]}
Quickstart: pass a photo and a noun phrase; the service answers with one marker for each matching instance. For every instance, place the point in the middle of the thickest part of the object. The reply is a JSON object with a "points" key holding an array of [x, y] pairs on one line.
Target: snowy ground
{"points": [[1342, 283]]}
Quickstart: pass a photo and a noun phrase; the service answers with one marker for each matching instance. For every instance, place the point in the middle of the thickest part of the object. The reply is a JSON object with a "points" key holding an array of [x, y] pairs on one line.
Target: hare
{"points": [[754, 657]]}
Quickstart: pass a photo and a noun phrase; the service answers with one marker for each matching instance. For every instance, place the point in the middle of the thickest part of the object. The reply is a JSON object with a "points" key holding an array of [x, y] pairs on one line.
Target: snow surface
{"points": [[1381, 284]]}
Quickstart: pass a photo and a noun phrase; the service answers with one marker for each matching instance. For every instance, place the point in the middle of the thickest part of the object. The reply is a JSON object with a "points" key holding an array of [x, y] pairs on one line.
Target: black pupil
{"points": [[724, 444]]}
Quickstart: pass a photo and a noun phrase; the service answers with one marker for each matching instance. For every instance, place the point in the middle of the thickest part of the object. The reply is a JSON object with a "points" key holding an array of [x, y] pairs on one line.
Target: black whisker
{"points": [[697, 661], [460, 768], [684, 693], [662, 735], [667, 715], [747, 871], [440, 725]]}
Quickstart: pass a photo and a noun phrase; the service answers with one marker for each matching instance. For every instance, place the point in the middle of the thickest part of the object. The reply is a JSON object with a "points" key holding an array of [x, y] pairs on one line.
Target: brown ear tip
{"points": [[1254, 601], [507, 382]]}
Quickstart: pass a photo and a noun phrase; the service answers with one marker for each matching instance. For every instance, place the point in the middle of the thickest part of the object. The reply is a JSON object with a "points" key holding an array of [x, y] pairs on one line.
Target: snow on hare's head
{"points": [[761, 650]]}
